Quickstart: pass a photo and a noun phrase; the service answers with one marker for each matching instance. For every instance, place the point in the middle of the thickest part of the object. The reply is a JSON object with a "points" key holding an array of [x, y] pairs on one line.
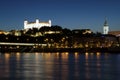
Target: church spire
{"points": [[105, 23], [105, 27]]}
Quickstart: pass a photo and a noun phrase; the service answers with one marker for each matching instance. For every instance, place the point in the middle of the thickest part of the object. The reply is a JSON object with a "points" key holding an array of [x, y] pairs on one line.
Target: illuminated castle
{"points": [[36, 24]]}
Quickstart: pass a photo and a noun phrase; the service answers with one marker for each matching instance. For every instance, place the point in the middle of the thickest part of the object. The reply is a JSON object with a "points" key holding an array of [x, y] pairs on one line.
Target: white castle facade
{"points": [[37, 24]]}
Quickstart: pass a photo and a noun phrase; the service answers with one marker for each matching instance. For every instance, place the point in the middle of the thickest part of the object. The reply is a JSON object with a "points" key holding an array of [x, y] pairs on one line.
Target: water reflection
{"points": [[76, 55], [7, 56], [59, 66], [18, 56]]}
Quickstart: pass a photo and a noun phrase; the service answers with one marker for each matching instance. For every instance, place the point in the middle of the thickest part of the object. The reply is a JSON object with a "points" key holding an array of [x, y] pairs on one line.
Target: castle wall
{"points": [[36, 24]]}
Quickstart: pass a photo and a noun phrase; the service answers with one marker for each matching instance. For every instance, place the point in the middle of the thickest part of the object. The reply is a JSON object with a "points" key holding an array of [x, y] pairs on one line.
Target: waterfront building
{"points": [[105, 27], [110, 40], [37, 24]]}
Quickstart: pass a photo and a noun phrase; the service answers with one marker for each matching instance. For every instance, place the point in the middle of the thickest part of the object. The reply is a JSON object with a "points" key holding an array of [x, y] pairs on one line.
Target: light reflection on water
{"points": [[59, 66]]}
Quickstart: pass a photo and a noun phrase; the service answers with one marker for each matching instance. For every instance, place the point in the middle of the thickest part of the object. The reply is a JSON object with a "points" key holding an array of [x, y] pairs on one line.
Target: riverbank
{"points": [[82, 50]]}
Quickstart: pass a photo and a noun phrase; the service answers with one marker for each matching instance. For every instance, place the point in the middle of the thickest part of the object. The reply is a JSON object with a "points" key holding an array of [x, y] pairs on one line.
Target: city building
{"points": [[116, 33], [37, 24], [15, 32], [105, 27], [4, 32]]}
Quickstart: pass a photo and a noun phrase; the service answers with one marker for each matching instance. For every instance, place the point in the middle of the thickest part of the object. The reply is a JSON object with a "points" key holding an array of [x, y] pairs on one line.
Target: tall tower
{"points": [[25, 24], [105, 27]]}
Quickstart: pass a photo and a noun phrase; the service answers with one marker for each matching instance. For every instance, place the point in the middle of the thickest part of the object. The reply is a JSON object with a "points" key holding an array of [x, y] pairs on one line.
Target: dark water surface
{"points": [[59, 66]]}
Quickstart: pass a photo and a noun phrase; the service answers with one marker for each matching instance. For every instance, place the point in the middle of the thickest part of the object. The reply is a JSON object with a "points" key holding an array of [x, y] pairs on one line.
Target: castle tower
{"points": [[105, 27], [25, 24], [37, 23], [50, 22]]}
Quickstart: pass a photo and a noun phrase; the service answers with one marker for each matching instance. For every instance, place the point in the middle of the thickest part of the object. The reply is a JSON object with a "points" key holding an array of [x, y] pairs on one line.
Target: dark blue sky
{"points": [[72, 14]]}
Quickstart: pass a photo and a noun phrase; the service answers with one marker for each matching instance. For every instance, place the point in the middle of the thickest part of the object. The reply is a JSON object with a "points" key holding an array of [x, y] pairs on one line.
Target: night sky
{"points": [[72, 14]]}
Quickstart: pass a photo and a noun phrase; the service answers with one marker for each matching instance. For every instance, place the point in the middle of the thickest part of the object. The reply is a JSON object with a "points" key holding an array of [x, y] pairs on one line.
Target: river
{"points": [[59, 66]]}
